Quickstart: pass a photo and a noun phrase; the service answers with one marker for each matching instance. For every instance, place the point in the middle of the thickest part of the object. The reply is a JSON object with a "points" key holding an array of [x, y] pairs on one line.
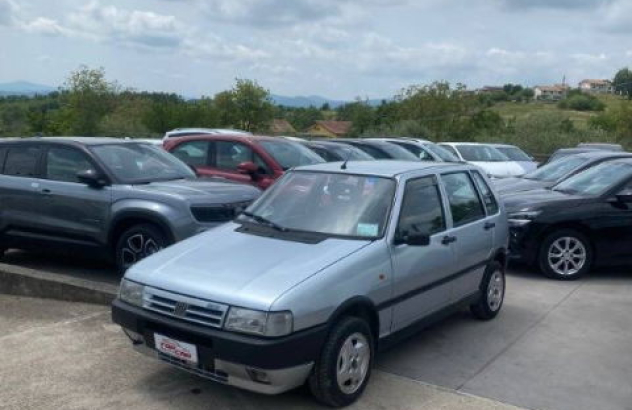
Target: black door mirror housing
{"points": [[413, 240], [92, 178], [625, 197]]}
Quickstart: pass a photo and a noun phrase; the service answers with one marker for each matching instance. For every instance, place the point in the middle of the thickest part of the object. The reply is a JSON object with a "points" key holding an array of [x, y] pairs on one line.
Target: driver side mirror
{"points": [[248, 168], [92, 178], [413, 240], [625, 197]]}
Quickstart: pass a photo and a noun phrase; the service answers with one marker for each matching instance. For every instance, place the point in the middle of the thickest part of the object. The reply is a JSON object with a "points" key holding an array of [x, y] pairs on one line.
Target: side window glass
{"points": [[230, 154], [194, 153], [451, 149], [263, 167], [422, 211], [465, 203], [488, 196], [425, 156], [63, 164], [22, 161]]}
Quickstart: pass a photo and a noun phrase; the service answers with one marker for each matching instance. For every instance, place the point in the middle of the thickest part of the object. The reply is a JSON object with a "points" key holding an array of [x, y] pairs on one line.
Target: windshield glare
{"points": [[556, 170], [141, 163], [514, 153], [481, 153], [328, 203], [597, 180], [290, 155]]}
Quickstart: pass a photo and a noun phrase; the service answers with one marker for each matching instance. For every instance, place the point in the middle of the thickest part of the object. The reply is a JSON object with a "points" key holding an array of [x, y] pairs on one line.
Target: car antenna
{"points": [[344, 164]]}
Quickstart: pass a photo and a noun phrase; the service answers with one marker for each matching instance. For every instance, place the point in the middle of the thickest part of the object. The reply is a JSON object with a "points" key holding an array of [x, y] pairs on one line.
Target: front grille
{"points": [[214, 375], [184, 307], [218, 213]]}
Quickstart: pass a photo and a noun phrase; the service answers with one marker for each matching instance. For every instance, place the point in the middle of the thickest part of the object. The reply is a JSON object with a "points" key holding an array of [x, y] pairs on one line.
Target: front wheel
{"points": [[492, 290], [565, 254], [137, 243], [343, 369]]}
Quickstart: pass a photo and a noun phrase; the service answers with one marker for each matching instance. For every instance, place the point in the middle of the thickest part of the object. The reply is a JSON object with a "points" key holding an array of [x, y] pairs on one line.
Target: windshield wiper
{"points": [[263, 220]]}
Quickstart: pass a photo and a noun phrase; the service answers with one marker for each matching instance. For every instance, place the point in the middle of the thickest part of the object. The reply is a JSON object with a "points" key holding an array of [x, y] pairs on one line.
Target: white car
{"points": [[185, 132], [514, 153], [424, 149], [493, 162]]}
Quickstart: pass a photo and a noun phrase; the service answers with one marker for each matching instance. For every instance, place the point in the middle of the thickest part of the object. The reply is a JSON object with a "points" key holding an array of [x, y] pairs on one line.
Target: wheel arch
{"points": [[360, 307], [127, 219]]}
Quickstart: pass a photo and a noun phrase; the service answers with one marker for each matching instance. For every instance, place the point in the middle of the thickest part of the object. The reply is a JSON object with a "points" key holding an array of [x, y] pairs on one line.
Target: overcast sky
{"points": [[335, 48]]}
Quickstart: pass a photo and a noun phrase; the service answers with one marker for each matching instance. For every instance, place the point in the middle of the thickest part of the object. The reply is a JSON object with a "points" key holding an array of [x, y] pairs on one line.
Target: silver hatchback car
{"points": [[330, 264]]}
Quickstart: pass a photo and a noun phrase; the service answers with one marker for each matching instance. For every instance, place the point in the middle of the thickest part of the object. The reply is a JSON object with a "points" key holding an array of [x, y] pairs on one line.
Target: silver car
{"points": [[329, 265]]}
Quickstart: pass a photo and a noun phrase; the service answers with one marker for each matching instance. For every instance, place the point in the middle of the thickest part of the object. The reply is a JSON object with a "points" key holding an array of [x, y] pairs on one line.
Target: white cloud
{"points": [[135, 27], [46, 26], [617, 17]]}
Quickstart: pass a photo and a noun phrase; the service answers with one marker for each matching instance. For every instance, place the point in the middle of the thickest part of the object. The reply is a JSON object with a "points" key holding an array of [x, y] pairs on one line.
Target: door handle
{"points": [[46, 191], [489, 225], [448, 239]]}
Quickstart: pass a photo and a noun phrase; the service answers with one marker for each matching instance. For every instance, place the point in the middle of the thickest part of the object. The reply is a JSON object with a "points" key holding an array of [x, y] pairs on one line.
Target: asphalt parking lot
{"points": [[555, 346]]}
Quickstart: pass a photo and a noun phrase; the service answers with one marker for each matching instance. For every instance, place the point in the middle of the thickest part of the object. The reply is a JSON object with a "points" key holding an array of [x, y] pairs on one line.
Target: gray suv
{"points": [[333, 262], [123, 199]]}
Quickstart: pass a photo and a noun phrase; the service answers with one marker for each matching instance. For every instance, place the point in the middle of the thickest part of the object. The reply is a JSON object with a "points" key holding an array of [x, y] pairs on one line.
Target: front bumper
{"points": [[268, 366]]}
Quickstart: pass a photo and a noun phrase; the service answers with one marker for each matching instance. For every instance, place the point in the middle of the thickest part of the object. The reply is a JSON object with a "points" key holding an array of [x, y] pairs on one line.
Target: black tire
{"points": [[323, 381], [556, 237], [138, 242], [492, 288]]}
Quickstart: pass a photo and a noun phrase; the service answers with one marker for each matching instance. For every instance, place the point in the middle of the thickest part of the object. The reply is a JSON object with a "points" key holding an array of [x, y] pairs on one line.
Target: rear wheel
{"points": [[343, 369], [137, 243], [565, 254], [492, 293]]}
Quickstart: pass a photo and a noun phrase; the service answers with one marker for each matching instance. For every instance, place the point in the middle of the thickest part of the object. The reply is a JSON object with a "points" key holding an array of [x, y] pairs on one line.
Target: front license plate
{"points": [[176, 348]]}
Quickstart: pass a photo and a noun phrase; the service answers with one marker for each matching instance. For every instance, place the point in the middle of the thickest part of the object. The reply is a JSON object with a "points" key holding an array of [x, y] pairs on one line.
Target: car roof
{"points": [[598, 154], [237, 137], [384, 168], [78, 140], [496, 145]]}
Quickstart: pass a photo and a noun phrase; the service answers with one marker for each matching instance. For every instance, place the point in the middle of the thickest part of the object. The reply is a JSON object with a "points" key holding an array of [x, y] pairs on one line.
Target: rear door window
{"points": [[488, 196], [465, 204], [22, 161], [194, 153]]}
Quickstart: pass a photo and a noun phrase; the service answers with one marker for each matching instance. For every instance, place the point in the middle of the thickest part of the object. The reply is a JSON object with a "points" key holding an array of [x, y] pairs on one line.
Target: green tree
{"points": [[246, 106], [360, 113], [623, 82], [87, 97]]}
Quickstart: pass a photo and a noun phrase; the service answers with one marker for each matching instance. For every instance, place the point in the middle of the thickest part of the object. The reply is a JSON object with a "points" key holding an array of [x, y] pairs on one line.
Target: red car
{"points": [[250, 159]]}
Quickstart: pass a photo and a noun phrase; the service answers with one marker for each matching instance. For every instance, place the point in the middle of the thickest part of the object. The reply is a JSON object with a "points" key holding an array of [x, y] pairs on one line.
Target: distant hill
{"points": [[311, 101], [24, 88], [30, 89]]}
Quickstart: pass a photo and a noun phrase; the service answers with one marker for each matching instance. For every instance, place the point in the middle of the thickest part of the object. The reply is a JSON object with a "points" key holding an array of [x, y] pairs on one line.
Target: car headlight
{"points": [[271, 324], [522, 218], [131, 292]]}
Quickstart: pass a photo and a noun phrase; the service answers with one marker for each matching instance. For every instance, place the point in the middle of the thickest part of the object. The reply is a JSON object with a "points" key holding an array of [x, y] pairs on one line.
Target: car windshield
{"points": [[556, 170], [596, 180], [334, 204], [141, 163], [397, 152], [348, 152], [481, 153], [291, 154], [441, 152], [514, 153]]}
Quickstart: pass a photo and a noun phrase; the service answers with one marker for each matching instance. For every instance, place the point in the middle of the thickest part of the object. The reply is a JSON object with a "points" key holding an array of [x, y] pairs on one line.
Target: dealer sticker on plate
{"points": [[176, 348]]}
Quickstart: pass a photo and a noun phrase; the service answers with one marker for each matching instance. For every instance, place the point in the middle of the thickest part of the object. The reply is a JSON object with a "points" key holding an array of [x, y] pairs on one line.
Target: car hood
{"points": [[208, 191], [538, 199], [239, 269], [507, 186], [500, 169]]}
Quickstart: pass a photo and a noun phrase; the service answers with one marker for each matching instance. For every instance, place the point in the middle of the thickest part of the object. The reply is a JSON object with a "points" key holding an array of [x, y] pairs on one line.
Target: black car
{"points": [[380, 149], [580, 149], [552, 174], [580, 223], [335, 151]]}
